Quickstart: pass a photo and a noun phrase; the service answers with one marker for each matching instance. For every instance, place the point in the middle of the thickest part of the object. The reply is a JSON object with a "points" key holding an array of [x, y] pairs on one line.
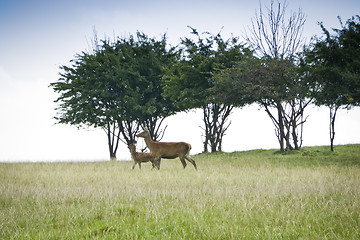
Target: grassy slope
{"points": [[258, 194]]}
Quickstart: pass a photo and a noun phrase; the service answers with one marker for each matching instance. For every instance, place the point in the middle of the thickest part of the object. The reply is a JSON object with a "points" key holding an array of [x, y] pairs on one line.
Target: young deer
{"points": [[167, 150], [140, 157]]}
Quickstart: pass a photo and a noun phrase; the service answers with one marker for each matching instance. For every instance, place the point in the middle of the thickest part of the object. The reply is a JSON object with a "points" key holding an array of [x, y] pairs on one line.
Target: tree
{"points": [[90, 94], [334, 66], [277, 83], [115, 86], [273, 84], [189, 82]]}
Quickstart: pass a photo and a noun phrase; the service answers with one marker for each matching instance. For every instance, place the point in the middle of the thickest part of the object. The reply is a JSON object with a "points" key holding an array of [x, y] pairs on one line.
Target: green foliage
{"points": [[119, 81], [265, 81], [189, 82], [335, 64], [260, 194], [232, 84], [152, 57]]}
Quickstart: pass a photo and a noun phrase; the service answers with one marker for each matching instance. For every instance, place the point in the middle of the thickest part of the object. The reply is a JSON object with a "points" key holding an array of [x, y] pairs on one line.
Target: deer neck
{"points": [[133, 151], [149, 142]]}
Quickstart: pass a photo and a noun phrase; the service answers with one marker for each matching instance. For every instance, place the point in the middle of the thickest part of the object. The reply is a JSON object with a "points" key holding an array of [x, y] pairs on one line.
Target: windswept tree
{"points": [[189, 82], [116, 86], [278, 86], [334, 62]]}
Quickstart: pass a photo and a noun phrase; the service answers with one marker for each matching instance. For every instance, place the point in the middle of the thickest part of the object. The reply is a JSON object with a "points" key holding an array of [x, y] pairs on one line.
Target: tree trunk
{"points": [[281, 130], [333, 110], [287, 122], [295, 136], [113, 140], [128, 130], [113, 157], [215, 121], [206, 130]]}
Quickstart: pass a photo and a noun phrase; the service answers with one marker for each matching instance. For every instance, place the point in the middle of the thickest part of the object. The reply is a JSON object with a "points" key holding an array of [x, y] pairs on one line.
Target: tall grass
{"points": [[310, 194]]}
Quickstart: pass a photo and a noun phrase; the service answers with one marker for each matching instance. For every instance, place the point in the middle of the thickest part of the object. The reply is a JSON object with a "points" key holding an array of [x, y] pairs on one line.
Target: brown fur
{"points": [[140, 157], [168, 150]]}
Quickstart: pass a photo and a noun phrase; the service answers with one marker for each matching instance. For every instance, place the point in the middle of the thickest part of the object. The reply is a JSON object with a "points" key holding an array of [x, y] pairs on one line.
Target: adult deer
{"points": [[168, 150], [140, 157]]}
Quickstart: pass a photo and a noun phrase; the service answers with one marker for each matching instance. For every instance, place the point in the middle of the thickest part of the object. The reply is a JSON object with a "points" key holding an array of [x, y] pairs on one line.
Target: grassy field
{"points": [[311, 194]]}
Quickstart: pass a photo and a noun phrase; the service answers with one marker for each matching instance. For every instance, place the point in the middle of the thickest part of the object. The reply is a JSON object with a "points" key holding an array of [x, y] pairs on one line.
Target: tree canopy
{"points": [[335, 64], [116, 86]]}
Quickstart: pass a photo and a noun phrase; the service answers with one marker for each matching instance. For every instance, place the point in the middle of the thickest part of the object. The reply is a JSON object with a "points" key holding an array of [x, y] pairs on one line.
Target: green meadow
{"points": [[260, 194]]}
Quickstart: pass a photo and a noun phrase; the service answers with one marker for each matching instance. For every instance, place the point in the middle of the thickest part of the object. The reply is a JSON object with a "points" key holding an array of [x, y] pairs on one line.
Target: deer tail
{"points": [[189, 148]]}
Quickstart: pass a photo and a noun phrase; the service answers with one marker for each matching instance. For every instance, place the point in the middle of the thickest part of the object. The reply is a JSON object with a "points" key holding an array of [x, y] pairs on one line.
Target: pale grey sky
{"points": [[39, 36]]}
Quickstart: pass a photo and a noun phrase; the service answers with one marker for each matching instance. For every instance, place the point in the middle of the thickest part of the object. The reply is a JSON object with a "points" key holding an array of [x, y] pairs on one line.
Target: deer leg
{"points": [[140, 165], [191, 160], [158, 163], [133, 166], [183, 161]]}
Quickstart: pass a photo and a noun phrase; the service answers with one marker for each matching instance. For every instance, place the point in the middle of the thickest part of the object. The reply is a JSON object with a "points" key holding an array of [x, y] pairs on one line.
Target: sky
{"points": [[37, 37]]}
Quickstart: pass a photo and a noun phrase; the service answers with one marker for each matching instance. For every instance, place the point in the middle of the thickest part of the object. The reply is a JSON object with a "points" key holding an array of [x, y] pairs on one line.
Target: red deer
{"points": [[140, 157], [168, 150]]}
